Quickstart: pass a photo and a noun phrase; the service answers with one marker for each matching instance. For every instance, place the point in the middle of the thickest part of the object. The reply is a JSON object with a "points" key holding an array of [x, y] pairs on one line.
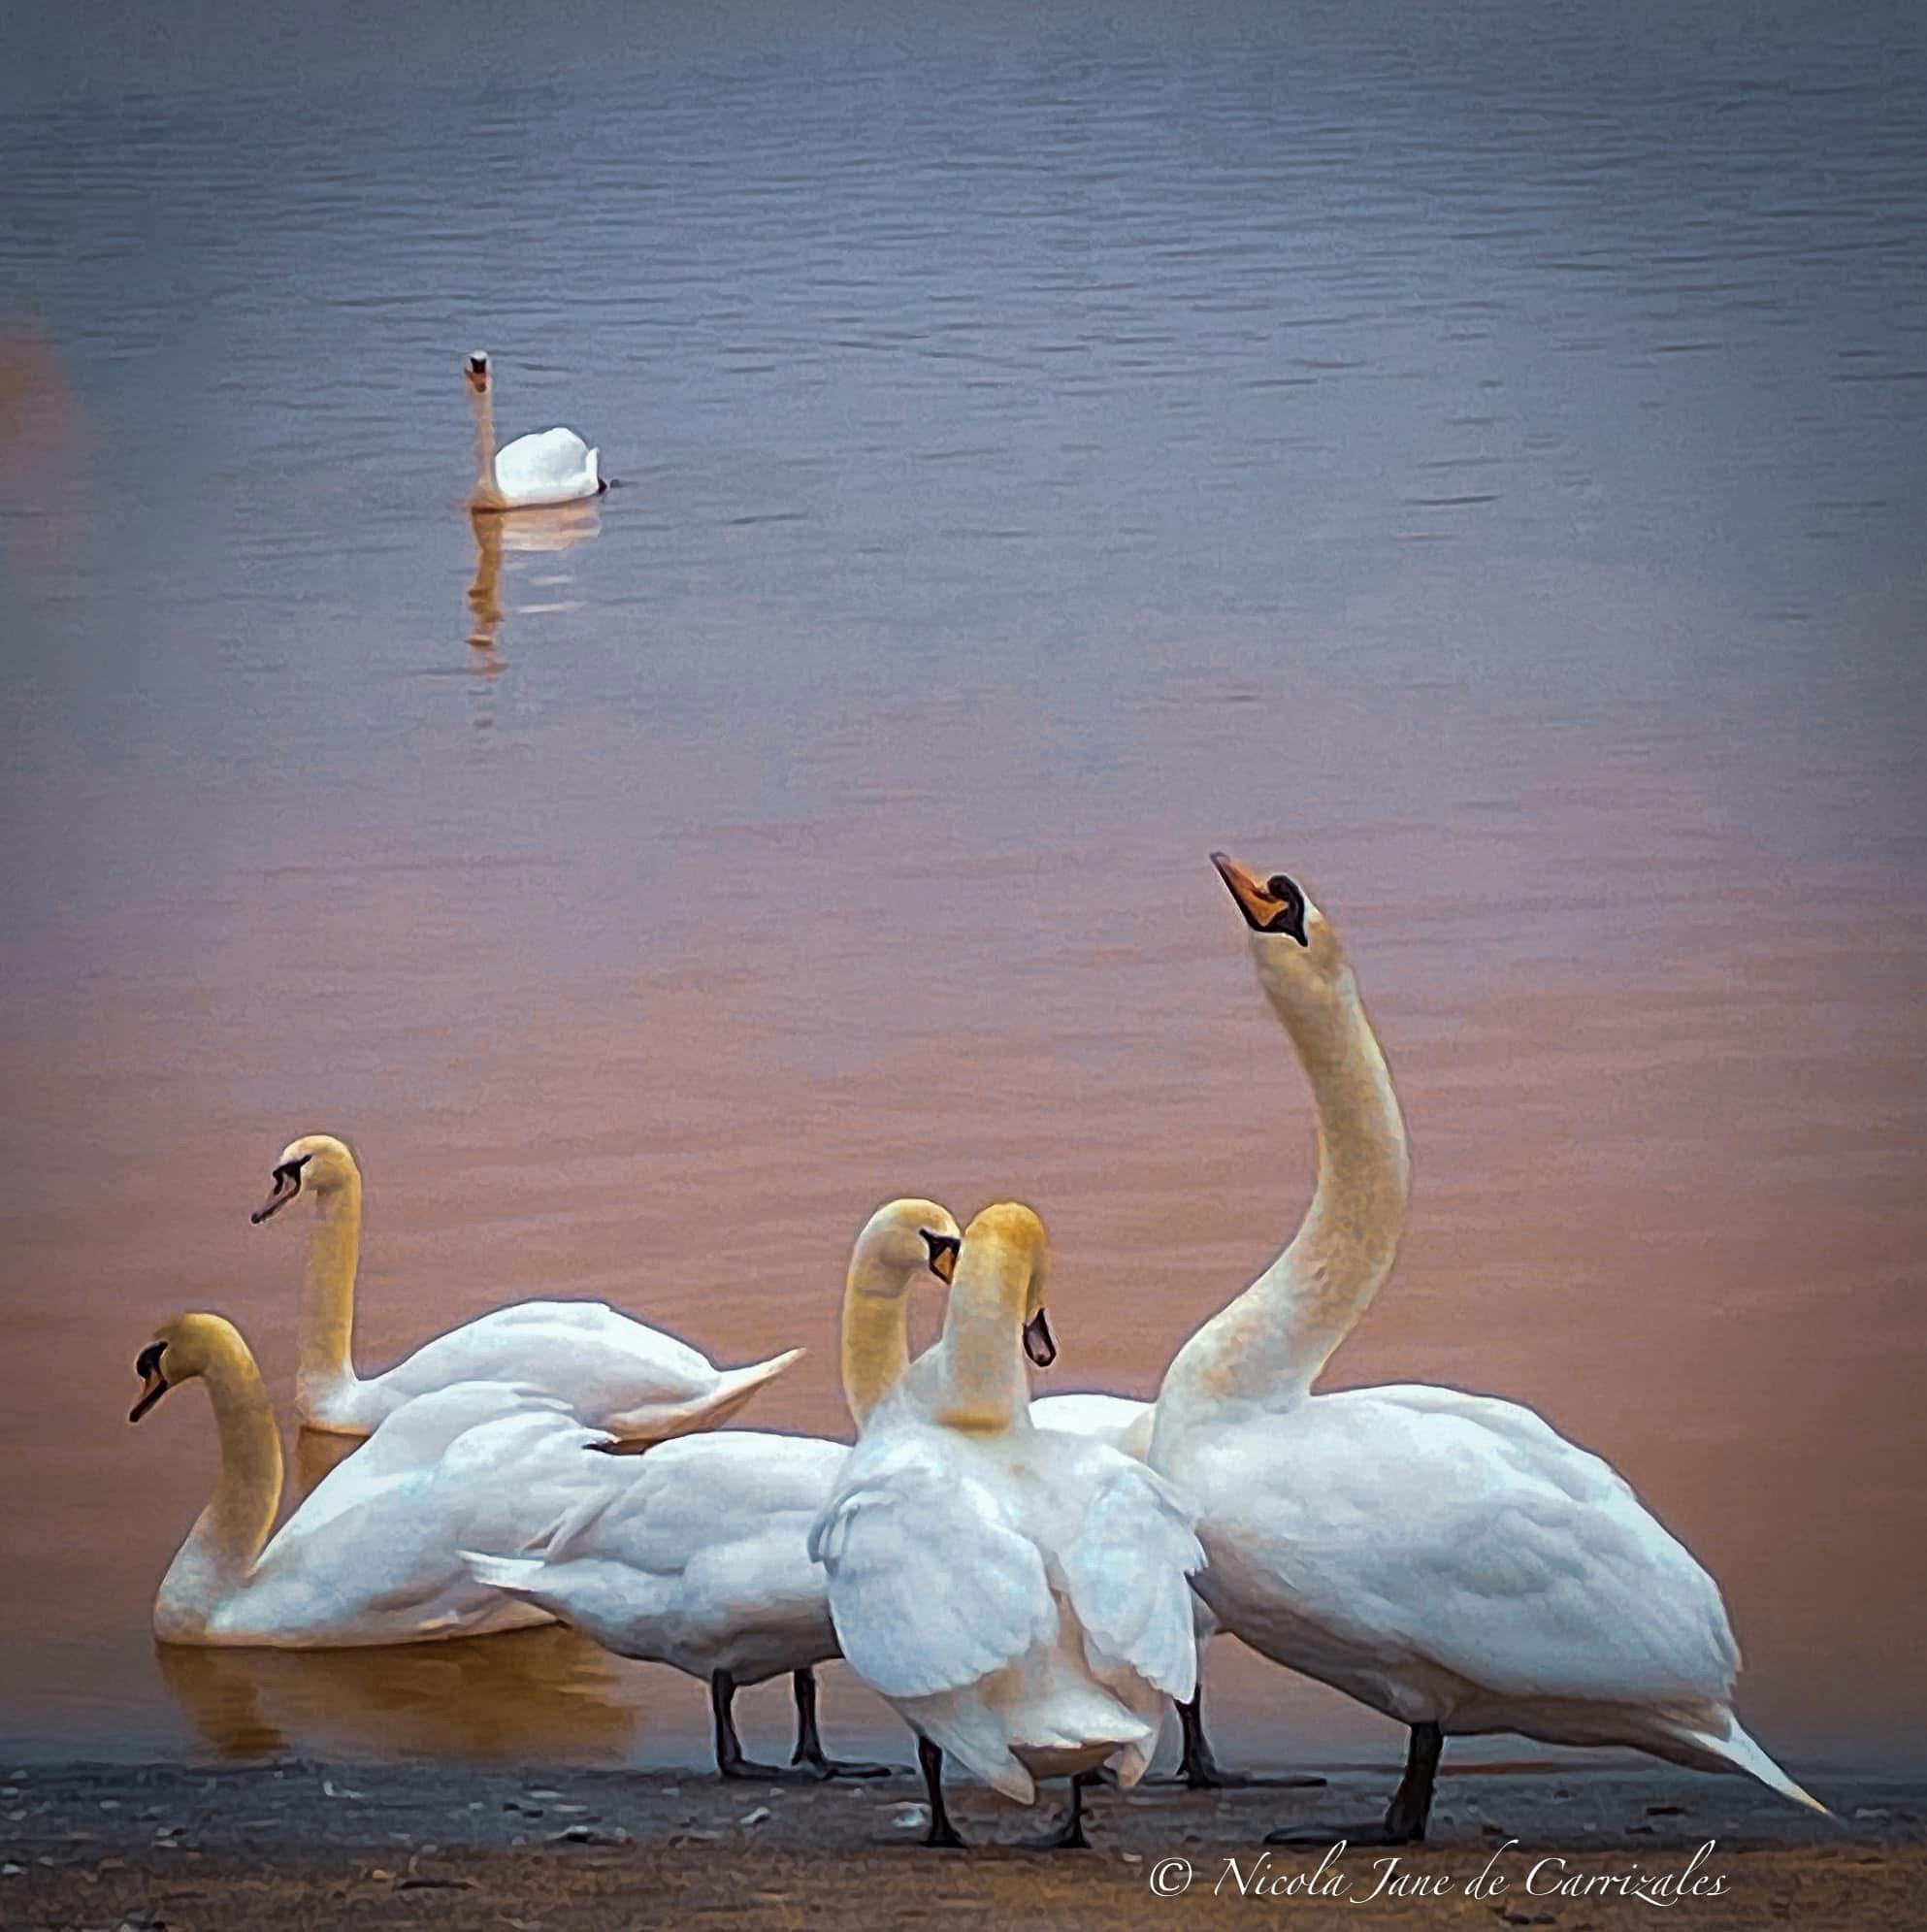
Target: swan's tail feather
{"points": [[1739, 1750], [734, 1387]]}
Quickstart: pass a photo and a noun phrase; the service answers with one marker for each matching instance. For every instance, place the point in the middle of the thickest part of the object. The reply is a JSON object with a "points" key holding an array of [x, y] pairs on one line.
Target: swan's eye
{"points": [[147, 1362], [1279, 887]]}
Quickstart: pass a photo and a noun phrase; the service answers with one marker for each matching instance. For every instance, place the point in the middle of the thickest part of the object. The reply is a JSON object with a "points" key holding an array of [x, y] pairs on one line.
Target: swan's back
{"points": [[1427, 1527], [612, 1371], [552, 465]]}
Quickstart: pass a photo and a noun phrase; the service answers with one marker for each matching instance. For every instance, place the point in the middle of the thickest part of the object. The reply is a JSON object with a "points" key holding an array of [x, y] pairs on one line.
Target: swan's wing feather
{"points": [[698, 1490], [549, 467], [931, 1587], [1125, 1573], [1465, 1531], [600, 1361]]}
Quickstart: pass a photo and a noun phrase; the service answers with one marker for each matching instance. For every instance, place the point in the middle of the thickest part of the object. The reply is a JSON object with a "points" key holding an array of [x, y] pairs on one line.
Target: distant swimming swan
{"points": [[553, 467]]}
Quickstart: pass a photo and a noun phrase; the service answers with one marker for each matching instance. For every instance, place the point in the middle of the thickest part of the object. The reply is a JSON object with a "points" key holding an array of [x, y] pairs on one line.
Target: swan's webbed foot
{"points": [[1198, 1770], [1069, 1833], [746, 1770], [731, 1763], [809, 1758], [1404, 1821], [824, 1768]]}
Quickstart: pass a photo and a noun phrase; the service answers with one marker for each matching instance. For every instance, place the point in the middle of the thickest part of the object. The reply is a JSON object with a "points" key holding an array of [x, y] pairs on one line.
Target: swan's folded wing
{"points": [[931, 1587], [548, 461], [1466, 1531], [1126, 1576]]}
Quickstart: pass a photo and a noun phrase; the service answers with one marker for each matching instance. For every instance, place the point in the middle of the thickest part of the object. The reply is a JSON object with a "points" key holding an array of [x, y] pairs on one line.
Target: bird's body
{"points": [[1447, 1558], [552, 465], [700, 1560], [373, 1554], [1017, 1594], [700, 1557]]}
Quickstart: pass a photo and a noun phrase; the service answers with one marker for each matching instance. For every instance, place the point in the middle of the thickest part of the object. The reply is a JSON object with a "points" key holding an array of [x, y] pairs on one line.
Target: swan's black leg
{"points": [[1070, 1834], [730, 1760], [1199, 1769], [1404, 1821], [809, 1753], [942, 1832]]}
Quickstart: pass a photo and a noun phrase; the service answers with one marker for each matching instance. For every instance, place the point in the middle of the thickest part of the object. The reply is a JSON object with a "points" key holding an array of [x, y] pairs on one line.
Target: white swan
{"points": [[1019, 1596], [614, 1373], [553, 467], [1446, 1558], [373, 1557], [702, 1559]]}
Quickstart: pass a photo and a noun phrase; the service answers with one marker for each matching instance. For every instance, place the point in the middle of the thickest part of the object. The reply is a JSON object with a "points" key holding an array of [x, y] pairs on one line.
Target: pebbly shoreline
{"points": [[301, 1844]]}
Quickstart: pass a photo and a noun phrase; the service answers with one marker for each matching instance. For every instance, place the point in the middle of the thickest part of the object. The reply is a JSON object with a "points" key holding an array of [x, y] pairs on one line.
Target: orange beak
{"points": [[1253, 902], [1264, 910]]}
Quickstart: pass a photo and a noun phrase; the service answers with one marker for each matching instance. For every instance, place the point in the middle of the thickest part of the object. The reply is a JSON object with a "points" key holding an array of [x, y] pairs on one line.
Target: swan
{"points": [[1018, 1596], [702, 1559], [372, 1556], [613, 1372], [553, 467], [1446, 1558]]}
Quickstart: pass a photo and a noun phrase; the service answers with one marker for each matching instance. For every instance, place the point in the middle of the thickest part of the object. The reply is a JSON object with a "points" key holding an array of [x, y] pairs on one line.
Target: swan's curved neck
{"points": [[230, 1534], [325, 1372], [876, 1334], [1271, 1342], [485, 406], [981, 1386]]}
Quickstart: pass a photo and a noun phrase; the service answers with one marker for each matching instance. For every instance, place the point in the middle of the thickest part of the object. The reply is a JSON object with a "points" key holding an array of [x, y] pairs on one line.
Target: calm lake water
{"points": [[1474, 458]]}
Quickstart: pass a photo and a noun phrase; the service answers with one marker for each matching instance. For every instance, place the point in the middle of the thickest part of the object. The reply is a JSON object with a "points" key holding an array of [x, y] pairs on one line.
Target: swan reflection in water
{"points": [[547, 1693], [521, 532]]}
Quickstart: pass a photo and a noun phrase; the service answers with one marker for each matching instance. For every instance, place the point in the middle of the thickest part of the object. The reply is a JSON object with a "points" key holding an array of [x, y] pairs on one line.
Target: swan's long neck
{"points": [[981, 1386], [876, 1334], [230, 1534], [1271, 1342], [325, 1371], [484, 404]]}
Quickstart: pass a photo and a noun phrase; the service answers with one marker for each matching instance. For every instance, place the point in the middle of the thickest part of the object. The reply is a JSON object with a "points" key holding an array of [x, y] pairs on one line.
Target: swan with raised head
{"points": [[702, 1559], [613, 1372], [1446, 1558], [551, 467], [373, 1555], [1019, 1596]]}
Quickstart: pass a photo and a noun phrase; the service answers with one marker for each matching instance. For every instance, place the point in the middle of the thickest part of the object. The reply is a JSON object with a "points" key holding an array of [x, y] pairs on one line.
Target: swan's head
{"points": [[1011, 1239], [1293, 943], [181, 1349], [901, 1240], [318, 1163], [476, 370]]}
